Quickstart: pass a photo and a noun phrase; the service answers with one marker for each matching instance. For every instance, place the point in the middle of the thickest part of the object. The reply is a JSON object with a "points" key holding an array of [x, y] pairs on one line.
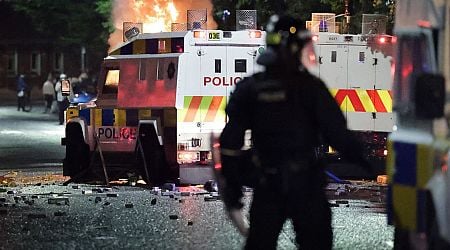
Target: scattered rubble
{"points": [[59, 201], [59, 213], [36, 216]]}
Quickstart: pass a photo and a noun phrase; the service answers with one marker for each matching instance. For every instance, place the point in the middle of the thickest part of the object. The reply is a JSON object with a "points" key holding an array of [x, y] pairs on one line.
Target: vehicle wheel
{"points": [[77, 151]]}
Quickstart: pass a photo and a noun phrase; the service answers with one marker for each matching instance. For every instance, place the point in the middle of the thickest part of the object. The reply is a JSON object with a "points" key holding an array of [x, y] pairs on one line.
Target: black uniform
{"points": [[288, 113]]}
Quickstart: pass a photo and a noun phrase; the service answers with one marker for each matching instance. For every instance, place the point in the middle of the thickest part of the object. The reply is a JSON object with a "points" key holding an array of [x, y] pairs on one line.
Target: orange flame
{"points": [[155, 15]]}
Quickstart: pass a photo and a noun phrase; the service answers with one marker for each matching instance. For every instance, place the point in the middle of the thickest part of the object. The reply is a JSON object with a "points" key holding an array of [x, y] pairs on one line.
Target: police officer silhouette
{"points": [[287, 110]]}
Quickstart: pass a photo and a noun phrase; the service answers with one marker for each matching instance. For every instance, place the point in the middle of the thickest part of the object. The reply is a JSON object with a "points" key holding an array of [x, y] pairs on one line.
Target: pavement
{"points": [[9, 97]]}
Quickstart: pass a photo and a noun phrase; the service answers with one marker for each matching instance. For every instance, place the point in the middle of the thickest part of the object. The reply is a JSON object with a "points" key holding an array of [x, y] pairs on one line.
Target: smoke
{"points": [[157, 15]]}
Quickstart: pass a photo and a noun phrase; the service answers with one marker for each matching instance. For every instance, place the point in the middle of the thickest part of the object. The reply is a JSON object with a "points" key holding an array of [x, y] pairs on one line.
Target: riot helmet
{"points": [[285, 39]]}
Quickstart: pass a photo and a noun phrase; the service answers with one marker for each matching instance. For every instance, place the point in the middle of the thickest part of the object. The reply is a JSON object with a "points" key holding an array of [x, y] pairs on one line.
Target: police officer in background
{"points": [[63, 102], [287, 110]]}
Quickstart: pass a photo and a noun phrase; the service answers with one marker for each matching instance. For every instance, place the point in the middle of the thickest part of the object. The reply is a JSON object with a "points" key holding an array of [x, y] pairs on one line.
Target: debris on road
{"points": [[36, 216], [58, 201], [60, 213], [173, 217]]}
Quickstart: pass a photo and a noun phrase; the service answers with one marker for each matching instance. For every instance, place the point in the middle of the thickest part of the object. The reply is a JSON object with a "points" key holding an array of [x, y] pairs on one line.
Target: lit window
{"points": [[111, 82]]}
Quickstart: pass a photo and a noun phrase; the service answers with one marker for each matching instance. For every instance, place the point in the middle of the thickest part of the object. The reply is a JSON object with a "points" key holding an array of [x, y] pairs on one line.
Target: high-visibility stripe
{"points": [[213, 108], [424, 165], [139, 47], [71, 113], [353, 98], [144, 114], [366, 100], [110, 117], [120, 117], [150, 46], [97, 116], [410, 167], [170, 117], [193, 108], [360, 100], [376, 100], [203, 109]]}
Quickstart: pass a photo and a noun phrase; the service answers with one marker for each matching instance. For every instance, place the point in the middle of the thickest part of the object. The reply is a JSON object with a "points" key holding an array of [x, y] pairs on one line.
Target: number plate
{"points": [[214, 36]]}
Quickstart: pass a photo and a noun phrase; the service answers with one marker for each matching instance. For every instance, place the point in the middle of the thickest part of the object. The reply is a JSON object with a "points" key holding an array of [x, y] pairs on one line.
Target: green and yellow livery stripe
{"points": [[203, 109]]}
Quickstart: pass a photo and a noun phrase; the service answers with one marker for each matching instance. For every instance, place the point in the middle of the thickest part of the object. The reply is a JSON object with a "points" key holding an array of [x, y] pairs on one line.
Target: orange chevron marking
{"points": [[193, 107], [213, 108]]}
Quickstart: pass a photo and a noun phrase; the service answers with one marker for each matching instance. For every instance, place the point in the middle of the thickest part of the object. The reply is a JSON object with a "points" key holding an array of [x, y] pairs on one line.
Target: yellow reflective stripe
{"points": [[405, 206], [72, 112], [144, 114], [366, 100], [347, 105], [386, 99], [120, 118], [424, 166], [390, 161], [97, 117], [369, 103], [170, 117], [139, 47]]}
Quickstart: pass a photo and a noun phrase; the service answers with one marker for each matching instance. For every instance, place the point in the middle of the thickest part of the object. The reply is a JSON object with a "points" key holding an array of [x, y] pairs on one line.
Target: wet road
{"points": [[30, 142], [132, 221], [29, 139]]}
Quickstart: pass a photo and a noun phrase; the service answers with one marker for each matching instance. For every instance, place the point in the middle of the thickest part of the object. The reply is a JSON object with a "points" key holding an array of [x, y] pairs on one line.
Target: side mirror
{"points": [[65, 87], [429, 96]]}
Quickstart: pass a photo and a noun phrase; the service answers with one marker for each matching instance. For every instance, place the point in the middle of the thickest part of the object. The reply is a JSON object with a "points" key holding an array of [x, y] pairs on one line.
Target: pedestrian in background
{"points": [[48, 91], [63, 102], [288, 111], [21, 92]]}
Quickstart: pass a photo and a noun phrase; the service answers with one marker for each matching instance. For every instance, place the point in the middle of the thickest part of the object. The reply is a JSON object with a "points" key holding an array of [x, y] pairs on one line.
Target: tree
{"points": [[68, 21], [71, 24]]}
